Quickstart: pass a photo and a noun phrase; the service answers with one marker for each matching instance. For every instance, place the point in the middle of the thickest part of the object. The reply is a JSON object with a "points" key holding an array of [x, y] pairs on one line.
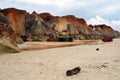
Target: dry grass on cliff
{"points": [[45, 45]]}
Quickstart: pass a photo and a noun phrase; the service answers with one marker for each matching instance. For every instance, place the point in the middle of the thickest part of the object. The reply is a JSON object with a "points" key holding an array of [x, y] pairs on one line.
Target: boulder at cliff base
{"points": [[107, 39], [7, 47]]}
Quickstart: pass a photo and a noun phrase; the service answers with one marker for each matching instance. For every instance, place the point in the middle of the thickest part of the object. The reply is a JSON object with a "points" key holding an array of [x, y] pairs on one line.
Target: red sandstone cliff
{"points": [[16, 18], [36, 27], [103, 30], [46, 16], [78, 27], [65, 25], [24, 23]]}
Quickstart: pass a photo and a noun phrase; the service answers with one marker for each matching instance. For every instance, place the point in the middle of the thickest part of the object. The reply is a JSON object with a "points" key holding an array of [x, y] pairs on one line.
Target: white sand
{"points": [[51, 64]]}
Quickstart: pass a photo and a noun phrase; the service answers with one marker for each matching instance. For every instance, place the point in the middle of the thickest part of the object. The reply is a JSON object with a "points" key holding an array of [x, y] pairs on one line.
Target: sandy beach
{"points": [[52, 64]]}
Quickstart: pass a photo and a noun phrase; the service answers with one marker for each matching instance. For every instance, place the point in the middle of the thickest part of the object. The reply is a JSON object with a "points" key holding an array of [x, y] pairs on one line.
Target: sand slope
{"points": [[51, 64]]}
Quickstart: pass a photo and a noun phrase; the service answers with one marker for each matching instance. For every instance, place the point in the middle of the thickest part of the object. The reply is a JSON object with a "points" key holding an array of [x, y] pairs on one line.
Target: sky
{"points": [[93, 11]]}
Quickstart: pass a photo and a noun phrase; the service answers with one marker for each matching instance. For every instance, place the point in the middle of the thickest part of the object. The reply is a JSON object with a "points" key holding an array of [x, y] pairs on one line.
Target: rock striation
{"points": [[16, 19], [101, 31], [36, 26], [78, 27], [7, 36], [5, 30]]}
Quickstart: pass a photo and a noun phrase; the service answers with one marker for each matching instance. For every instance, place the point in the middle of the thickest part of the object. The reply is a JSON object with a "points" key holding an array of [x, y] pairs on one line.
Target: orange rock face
{"points": [[73, 19], [70, 18], [16, 18], [78, 26], [7, 32], [61, 25], [46, 16], [22, 22]]}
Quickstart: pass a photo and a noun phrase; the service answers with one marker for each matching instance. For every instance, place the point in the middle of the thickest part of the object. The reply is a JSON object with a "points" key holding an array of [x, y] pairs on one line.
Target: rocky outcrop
{"points": [[7, 47], [46, 16], [7, 36], [68, 26], [77, 27], [6, 31], [58, 24], [80, 26], [3, 19], [36, 27], [44, 25], [26, 24], [117, 34], [101, 31], [15, 24], [16, 19]]}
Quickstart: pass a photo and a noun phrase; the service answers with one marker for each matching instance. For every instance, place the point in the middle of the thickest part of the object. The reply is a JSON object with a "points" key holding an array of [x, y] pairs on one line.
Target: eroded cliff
{"points": [[45, 25]]}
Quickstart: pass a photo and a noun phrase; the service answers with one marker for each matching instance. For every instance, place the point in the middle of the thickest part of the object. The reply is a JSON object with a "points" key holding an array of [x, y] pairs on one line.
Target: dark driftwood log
{"points": [[73, 71]]}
